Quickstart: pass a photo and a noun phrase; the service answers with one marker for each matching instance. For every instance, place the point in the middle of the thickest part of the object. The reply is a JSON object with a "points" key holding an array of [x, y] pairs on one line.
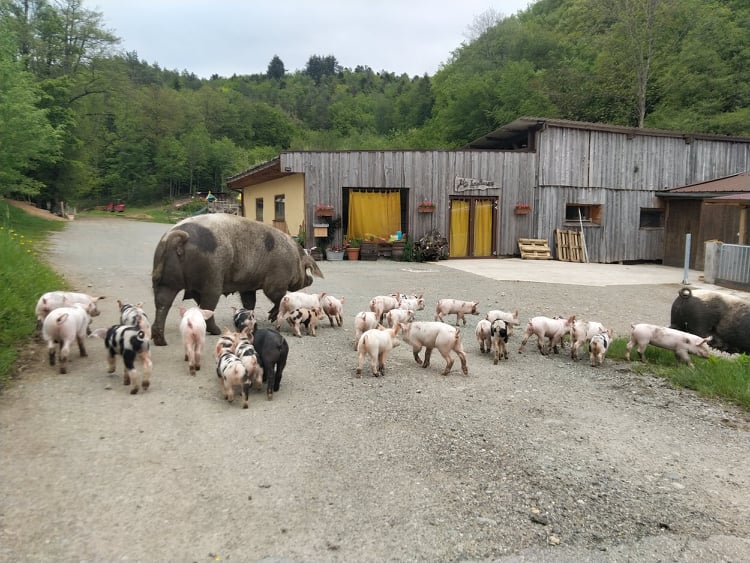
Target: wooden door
{"points": [[472, 227]]}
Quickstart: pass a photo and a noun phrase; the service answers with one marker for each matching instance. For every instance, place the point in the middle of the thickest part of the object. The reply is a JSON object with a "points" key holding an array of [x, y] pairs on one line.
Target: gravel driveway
{"points": [[535, 459]]}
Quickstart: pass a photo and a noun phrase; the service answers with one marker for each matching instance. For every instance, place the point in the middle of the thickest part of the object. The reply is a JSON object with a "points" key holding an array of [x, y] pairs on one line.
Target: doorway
{"points": [[472, 227]]}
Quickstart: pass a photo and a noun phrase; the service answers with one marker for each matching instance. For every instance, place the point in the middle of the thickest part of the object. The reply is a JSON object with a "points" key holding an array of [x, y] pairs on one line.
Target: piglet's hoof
{"points": [[134, 390], [145, 385]]}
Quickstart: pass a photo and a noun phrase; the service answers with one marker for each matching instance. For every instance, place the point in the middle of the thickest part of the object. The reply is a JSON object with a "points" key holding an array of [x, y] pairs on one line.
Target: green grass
{"points": [[23, 279], [723, 378], [166, 213]]}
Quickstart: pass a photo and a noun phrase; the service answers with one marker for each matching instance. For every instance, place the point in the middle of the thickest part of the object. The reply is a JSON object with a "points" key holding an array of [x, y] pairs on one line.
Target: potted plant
{"points": [[324, 210], [334, 252], [522, 209], [426, 206], [352, 247]]}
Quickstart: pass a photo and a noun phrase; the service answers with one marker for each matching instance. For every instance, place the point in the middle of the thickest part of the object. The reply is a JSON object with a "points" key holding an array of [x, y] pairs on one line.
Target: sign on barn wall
{"points": [[462, 184]]}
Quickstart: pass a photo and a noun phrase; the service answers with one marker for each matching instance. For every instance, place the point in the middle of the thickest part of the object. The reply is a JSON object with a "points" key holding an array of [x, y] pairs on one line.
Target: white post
{"points": [[685, 280]]}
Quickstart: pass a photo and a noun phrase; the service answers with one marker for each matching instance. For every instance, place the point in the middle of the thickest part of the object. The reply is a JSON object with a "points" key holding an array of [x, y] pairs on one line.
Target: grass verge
{"points": [[724, 378], [23, 279]]}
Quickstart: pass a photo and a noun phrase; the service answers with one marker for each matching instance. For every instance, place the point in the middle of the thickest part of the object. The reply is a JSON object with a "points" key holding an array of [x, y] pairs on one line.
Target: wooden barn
{"points": [[713, 210], [526, 179]]}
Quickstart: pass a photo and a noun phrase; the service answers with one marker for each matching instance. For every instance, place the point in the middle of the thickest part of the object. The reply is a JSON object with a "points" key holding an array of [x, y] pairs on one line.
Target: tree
{"points": [[319, 67], [276, 69], [26, 136]]}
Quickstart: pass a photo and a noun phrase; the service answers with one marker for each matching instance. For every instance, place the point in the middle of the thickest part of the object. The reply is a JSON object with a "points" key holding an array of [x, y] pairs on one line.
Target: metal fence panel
{"points": [[734, 264]]}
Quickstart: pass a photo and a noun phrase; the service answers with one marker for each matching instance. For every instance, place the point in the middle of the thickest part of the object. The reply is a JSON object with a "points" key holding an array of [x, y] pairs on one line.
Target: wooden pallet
{"points": [[569, 246], [534, 249]]}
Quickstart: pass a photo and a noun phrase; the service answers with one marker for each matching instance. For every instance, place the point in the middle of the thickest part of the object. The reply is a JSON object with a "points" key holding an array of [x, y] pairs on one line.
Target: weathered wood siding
{"points": [[427, 175], [623, 174]]}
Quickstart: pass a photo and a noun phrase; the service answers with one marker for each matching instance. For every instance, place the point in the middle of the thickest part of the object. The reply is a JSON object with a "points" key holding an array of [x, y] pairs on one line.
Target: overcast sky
{"points": [[227, 37]]}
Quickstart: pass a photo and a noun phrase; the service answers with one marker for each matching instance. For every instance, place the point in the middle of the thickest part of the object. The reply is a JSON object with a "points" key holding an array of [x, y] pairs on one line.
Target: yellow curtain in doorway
{"points": [[375, 214], [483, 227], [459, 239]]}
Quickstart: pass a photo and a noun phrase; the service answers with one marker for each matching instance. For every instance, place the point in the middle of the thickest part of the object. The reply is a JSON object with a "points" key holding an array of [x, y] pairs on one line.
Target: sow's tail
{"points": [[173, 240]]}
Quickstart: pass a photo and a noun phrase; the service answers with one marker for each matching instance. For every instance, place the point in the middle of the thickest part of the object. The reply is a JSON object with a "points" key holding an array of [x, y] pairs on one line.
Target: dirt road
{"points": [[535, 459]]}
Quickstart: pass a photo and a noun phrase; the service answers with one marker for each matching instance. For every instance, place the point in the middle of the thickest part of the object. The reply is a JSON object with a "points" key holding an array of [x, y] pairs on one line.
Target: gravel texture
{"points": [[535, 459]]}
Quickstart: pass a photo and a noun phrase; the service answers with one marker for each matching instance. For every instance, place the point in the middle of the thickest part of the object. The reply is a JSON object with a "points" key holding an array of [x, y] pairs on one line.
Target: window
{"points": [[259, 209], [583, 213], [651, 218], [278, 208]]}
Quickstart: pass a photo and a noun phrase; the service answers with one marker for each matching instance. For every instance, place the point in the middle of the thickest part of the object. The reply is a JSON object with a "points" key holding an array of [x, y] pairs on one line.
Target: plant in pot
{"points": [[334, 252], [352, 247]]}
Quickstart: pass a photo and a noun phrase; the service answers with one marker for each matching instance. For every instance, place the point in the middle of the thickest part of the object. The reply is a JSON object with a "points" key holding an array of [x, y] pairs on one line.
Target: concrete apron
{"points": [[576, 273]]}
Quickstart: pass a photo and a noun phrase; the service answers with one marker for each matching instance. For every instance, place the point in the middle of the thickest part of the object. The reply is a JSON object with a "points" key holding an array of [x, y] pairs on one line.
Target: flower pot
{"points": [[352, 253], [522, 211], [334, 255], [324, 212], [424, 209]]}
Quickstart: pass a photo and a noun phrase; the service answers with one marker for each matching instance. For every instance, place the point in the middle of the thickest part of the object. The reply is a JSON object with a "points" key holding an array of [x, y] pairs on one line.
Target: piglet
{"points": [[193, 331], [381, 304], [499, 333], [430, 335], [484, 335], [581, 332], [364, 321], [598, 346], [681, 343], [249, 357], [399, 316], [376, 343], [231, 372], [133, 314], [457, 307], [554, 329], [411, 302], [243, 319], [333, 307], [304, 316], [510, 319], [62, 327], [130, 342], [55, 299], [273, 350]]}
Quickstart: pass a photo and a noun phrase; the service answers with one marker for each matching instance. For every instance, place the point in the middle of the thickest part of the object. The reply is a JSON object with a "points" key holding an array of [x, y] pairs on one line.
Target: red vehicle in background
{"points": [[119, 207]]}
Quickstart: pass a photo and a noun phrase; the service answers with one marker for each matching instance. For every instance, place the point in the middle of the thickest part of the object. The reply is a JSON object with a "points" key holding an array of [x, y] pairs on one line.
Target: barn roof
{"points": [[734, 188], [514, 135], [264, 172]]}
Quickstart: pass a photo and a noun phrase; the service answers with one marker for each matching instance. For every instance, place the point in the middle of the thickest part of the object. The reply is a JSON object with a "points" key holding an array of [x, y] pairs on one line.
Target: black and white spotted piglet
{"points": [[243, 319], [134, 315], [499, 335], [231, 372], [130, 342]]}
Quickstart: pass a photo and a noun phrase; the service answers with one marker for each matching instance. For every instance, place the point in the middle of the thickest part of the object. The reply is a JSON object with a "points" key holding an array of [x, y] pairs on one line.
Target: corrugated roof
{"points": [[729, 184], [512, 136]]}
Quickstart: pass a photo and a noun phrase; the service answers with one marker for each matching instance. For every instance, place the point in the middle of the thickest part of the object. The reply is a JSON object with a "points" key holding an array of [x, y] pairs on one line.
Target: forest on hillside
{"points": [[84, 122]]}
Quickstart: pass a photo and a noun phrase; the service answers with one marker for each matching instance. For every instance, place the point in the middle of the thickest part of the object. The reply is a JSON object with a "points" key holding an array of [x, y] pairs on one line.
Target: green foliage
{"points": [[711, 377], [24, 277], [88, 125], [26, 136]]}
